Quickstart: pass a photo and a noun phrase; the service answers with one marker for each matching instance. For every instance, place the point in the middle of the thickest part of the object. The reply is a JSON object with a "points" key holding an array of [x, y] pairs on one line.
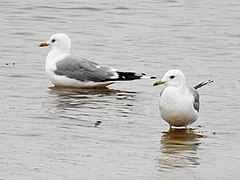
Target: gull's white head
{"points": [[173, 77], [58, 41]]}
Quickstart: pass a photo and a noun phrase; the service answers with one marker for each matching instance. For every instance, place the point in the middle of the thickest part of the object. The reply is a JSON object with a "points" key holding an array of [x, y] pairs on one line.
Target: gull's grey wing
{"points": [[83, 70], [195, 94]]}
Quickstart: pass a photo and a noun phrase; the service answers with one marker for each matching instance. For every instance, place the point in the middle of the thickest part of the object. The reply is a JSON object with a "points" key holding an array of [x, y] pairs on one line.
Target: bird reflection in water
{"points": [[88, 105], [179, 149], [75, 97]]}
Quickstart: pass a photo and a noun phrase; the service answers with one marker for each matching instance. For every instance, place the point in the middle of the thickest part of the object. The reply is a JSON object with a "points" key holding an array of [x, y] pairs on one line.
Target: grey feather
{"points": [[83, 70], [195, 94], [162, 91]]}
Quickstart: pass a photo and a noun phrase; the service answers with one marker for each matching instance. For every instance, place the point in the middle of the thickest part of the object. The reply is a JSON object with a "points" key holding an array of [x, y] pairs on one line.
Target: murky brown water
{"points": [[50, 133]]}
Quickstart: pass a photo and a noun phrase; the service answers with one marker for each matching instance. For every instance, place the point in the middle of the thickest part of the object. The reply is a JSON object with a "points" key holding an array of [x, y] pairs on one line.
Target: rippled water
{"points": [[51, 133]]}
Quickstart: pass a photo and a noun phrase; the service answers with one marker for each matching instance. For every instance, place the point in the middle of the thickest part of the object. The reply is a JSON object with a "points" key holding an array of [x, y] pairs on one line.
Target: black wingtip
{"points": [[203, 84], [129, 75]]}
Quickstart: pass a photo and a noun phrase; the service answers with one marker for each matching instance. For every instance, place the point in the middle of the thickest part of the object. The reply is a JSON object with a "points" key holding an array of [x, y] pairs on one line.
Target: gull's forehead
{"points": [[59, 36], [53, 37], [174, 72]]}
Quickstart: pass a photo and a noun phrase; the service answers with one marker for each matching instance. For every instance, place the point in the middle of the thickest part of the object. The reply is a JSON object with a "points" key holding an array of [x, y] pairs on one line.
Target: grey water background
{"points": [[49, 133]]}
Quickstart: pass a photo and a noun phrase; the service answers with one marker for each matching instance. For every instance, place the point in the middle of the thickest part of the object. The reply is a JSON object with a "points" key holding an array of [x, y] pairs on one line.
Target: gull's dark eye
{"points": [[172, 77], [53, 40]]}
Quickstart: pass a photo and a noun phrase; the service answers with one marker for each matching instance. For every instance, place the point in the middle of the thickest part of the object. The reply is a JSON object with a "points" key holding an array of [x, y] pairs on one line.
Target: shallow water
{"points": [[50, 133]]}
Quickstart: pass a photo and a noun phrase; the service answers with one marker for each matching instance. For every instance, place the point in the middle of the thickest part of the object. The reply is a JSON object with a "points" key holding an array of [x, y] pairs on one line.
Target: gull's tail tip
{"points": [[132, 76], [210, 81], [153, 77], [148, 77], [145, 76], [203, 84]]}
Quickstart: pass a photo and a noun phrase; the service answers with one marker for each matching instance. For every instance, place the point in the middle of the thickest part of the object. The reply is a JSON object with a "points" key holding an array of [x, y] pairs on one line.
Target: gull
{"points": [[65, 69], [179, 104]]}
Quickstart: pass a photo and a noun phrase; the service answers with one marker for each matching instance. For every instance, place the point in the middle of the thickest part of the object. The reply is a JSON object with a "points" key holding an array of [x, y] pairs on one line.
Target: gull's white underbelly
{"points": [[177, 108], [69, 82]]}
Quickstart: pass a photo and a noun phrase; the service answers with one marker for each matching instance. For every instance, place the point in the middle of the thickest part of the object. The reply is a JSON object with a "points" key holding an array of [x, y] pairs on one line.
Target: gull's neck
{"points": [[182, 87], [178, 87], [56, 54]]}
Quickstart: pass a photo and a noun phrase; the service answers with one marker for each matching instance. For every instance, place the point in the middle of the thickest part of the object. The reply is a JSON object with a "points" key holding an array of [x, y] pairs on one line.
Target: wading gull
{"points": [[65, 69], [179, 104]]}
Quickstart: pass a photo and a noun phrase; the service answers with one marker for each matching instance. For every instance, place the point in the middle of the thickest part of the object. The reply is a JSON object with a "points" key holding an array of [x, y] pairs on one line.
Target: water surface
{"points": [[50, 133]]}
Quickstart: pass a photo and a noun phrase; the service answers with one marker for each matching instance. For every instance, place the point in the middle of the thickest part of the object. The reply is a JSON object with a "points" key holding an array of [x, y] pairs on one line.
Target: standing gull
{"points": [[65, 69], [179, 104]]}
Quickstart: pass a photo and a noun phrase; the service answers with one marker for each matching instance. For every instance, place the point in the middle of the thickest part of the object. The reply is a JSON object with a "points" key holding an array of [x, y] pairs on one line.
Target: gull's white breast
{"points": [[176, 106], [53, 57]]}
